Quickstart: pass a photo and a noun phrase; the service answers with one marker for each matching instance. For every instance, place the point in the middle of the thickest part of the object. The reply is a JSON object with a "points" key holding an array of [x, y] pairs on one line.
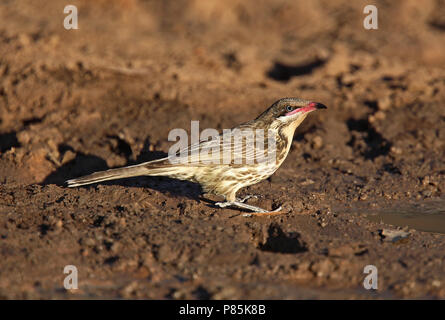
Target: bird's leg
{"points": [[255, 210]]}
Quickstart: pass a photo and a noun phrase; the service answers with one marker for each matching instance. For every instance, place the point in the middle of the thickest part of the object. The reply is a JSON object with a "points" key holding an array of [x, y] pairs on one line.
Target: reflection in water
{"points": [[426, 216]]}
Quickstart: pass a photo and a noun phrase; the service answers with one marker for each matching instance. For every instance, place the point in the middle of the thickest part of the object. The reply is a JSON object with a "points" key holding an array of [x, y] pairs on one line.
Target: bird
{"points": [[238, 165]]}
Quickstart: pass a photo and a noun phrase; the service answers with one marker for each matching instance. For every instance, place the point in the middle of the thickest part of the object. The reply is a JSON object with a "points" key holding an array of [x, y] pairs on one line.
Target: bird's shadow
{"points": [[84, 164]]}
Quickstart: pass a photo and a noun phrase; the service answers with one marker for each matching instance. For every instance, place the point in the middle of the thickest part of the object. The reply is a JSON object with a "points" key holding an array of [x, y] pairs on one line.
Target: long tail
{"points": [[119, 173]]}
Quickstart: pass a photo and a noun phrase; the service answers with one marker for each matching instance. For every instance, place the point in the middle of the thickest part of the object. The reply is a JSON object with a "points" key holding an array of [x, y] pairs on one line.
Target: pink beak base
{"points": [[310, 107]]}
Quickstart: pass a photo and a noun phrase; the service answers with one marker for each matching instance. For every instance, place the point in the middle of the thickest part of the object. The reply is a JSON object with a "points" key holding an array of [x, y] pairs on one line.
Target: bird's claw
{"points": [[248, 197], [223, 204], [263, 212], [257, 211]]}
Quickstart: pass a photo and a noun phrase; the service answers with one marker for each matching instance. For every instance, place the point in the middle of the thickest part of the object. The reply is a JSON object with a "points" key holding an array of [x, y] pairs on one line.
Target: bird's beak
{"points": [[317, 105], [311, 106]]}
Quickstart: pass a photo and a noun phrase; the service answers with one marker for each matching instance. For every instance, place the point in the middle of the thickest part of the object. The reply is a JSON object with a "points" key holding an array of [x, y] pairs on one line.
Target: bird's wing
{"points": [[241, 146]]}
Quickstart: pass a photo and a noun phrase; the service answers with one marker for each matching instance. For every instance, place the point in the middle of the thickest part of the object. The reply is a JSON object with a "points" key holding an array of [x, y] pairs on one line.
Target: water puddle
{"points": [[426, 216]]}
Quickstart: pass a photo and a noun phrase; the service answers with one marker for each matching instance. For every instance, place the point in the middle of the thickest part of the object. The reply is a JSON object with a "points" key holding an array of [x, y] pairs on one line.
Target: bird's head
{"points": [[288, 111]]}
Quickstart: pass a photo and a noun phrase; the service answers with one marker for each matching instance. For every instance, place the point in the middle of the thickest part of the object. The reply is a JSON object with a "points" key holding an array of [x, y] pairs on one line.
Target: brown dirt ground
{"points": [[106, 95]]}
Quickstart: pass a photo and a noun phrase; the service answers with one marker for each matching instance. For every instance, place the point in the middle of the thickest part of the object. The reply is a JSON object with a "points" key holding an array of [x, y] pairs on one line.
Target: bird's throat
{"points": [[287, 131]]}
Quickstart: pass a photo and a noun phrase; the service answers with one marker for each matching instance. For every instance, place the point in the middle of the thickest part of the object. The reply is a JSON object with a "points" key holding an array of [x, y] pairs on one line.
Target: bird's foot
{"points": [[262, 212], [223, 204], [249, 196], [257, 211]]}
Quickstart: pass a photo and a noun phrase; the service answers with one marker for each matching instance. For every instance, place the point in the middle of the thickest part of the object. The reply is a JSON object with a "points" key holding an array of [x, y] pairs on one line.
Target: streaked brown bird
{"points": [[220, 171]]}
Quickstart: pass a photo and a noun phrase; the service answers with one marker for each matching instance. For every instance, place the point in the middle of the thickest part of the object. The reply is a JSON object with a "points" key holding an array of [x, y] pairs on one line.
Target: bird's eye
{"points": [[289, 108]]}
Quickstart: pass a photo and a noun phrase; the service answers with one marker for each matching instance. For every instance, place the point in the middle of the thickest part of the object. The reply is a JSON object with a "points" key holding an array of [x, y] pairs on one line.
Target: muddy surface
{"points": [[107, 94]]}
